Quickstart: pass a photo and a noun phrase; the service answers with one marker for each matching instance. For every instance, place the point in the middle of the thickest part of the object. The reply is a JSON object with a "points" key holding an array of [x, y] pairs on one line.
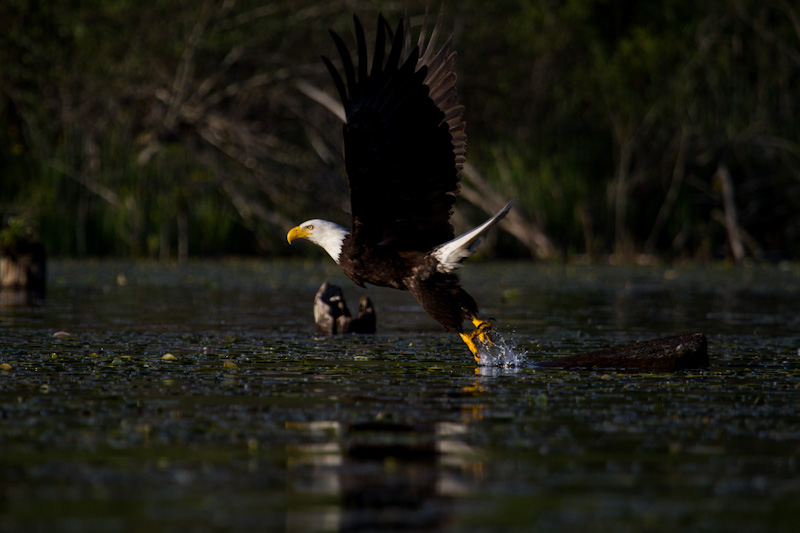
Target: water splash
{"points": [[497, 351]]}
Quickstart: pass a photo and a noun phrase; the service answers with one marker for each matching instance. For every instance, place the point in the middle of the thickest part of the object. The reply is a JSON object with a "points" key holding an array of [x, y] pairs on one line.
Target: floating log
{"points": [[671, 354], [332, 317]]}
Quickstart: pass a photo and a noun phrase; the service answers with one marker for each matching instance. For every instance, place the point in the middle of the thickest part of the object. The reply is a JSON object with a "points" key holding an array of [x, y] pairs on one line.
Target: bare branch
{"points": [[323, 98], [486, 198]]}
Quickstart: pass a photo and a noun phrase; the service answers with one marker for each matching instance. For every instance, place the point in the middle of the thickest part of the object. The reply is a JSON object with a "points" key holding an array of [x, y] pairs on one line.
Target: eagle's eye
{"points": [[310, 227]]}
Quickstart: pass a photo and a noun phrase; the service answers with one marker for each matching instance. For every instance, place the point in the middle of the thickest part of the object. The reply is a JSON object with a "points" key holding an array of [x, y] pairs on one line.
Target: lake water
{"points": [[197, 398]]}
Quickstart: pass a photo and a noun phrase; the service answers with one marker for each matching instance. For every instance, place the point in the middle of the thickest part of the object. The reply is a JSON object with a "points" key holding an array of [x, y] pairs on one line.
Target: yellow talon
{"points": [[482, 328], [477, 322], [468, 340], [481, 331]]}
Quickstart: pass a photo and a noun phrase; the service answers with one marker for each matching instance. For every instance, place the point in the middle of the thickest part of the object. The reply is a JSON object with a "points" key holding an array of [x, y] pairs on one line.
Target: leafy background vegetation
{"points": [[176, 128]]}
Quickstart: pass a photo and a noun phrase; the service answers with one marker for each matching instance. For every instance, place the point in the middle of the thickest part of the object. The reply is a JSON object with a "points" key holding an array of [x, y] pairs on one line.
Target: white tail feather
{"points": [[451, 253]]}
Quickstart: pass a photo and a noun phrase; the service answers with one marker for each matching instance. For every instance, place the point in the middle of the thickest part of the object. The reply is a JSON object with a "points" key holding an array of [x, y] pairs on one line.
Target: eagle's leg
{"points": [[468, 339], [481, 331]]}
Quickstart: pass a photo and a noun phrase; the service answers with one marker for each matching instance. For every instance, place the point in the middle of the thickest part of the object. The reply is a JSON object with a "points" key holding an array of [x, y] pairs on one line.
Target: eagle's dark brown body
{"points": [[439, 293]]}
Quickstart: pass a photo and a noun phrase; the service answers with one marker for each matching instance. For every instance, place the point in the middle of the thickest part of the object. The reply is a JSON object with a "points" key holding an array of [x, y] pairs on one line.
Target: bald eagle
{"points": [[404, 148]]}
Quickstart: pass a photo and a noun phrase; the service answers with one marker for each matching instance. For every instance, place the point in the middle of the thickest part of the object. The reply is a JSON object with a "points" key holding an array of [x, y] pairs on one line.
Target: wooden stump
{"points": [[23, 266], [670, 354], [332, 317], [366, 321]]}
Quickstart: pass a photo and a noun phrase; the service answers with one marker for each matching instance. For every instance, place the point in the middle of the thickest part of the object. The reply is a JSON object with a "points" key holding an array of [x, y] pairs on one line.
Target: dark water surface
{"points": [[196, 398]]}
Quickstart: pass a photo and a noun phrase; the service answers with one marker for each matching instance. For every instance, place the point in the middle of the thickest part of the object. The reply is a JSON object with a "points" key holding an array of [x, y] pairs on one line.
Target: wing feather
{"points": [[380, 49], [347, 62], [394, 53], [337, 79], [429, 50], [361, 43], [423, 31]]}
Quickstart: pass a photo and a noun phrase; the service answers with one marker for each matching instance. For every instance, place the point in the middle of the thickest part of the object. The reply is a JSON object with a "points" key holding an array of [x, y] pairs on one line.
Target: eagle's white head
{"points": [[323, 233]]}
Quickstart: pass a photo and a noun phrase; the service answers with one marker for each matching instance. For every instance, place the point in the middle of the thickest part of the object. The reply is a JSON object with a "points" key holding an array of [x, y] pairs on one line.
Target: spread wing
{"points": [[404, 140]]}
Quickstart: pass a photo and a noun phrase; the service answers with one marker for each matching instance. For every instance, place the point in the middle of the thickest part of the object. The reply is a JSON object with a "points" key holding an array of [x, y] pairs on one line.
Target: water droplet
{"points": [[498, 351]]}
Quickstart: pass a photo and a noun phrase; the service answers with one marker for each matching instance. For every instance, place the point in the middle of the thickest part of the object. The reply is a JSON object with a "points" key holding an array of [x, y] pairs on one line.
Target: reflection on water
{"points": [[252, 421], [13, 297], [379, 475]]}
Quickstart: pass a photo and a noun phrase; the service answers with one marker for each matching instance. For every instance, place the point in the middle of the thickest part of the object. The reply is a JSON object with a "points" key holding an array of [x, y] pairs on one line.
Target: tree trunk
{"points": [[731, 217]]}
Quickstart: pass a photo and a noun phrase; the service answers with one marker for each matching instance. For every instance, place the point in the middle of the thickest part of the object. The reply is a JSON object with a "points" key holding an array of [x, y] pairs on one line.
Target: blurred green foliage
{"points": [[15, 231], [174, 128]]}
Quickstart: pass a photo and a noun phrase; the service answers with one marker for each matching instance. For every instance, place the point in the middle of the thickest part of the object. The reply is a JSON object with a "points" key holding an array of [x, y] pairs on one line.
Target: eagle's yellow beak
{"points": [[297, 233]]}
